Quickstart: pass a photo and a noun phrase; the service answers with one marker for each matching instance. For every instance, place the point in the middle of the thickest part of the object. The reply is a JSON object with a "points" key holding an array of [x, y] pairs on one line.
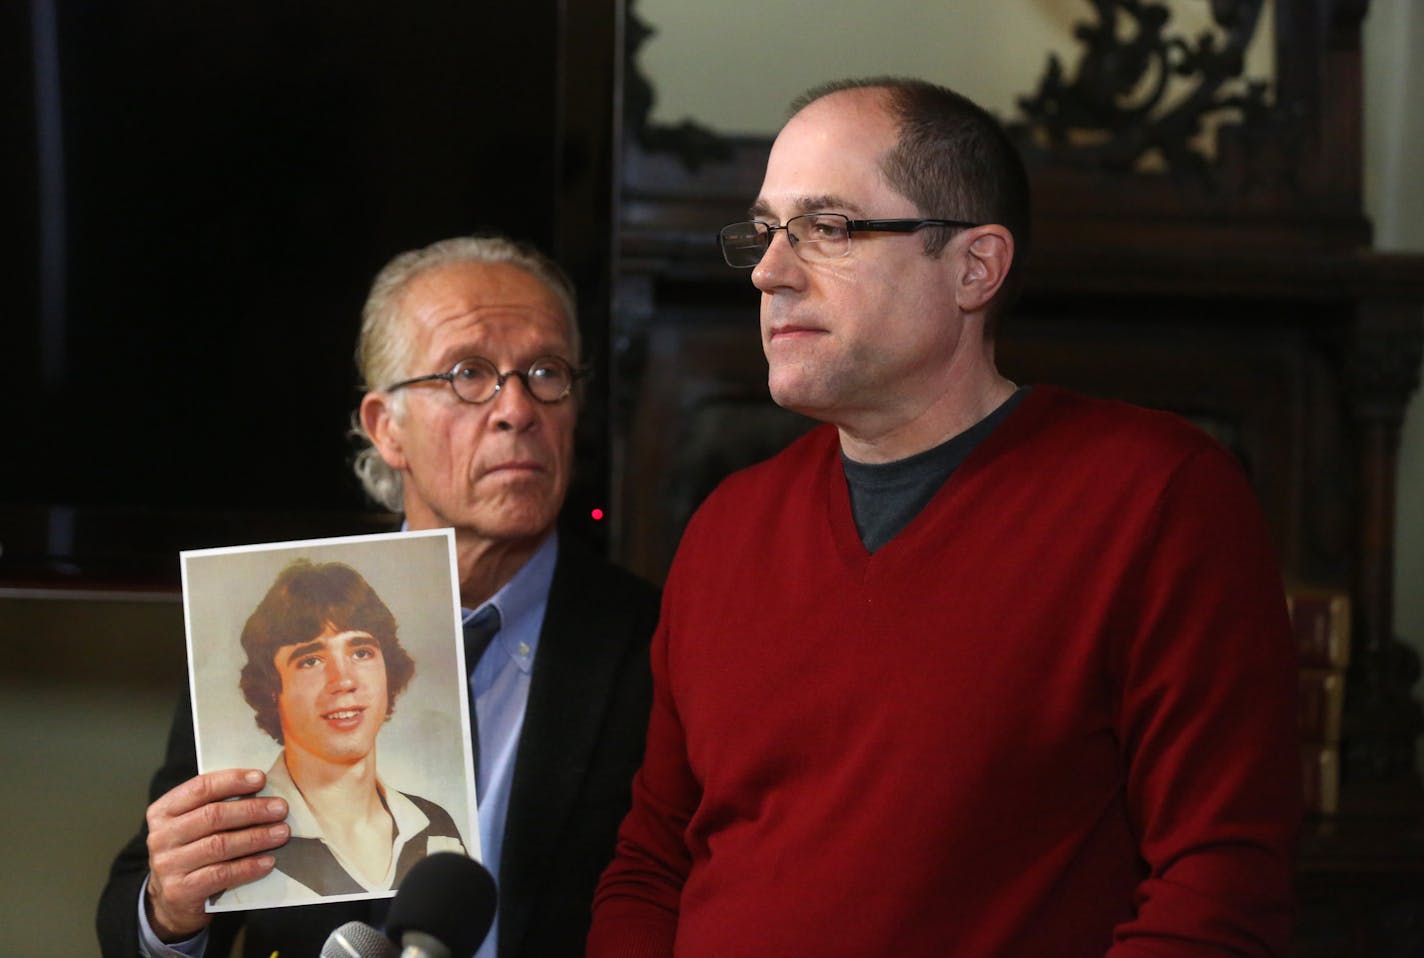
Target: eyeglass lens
{"points": [[814, 236], [477, 380]]}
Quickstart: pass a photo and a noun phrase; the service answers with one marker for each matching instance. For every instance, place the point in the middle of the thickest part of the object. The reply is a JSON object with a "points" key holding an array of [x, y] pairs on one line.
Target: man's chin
{"points": [[794, 396], [512, 524]]}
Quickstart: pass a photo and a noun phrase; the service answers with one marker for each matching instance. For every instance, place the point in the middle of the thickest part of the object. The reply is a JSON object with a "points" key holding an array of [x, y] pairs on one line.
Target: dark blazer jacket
{"points": [[582, 743]]}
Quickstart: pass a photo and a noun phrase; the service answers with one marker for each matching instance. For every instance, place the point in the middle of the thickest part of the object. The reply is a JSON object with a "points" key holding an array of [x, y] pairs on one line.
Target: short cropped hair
{"points": [[383, 347], [305, 600], [953, 160]]}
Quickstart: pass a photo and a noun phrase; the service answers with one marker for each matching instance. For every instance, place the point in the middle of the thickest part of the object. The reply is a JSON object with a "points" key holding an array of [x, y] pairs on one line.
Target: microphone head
{"points": [[356, 939], [448, 897]]}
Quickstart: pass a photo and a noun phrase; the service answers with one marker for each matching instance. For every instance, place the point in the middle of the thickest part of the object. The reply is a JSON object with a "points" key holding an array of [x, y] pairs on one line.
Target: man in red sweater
{"points": [[972, 669]]}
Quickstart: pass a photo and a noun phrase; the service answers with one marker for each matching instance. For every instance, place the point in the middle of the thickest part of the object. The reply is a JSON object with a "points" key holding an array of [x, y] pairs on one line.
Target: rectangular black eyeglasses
{"points": [[743, 243]]}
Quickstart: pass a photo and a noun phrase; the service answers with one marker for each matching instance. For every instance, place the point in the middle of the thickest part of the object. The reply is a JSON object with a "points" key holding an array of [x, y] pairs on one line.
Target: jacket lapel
{"points": [[573, 676]]}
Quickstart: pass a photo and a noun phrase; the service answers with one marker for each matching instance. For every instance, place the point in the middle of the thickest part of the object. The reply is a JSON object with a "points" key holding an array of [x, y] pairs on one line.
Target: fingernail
{"points": [[276, 807], [253, 778], [266, 861], [278, 831]]}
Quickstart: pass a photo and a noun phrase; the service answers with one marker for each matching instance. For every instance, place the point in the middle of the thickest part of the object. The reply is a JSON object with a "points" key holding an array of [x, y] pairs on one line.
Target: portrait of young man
{"points": [[469, 352], [325, 663]]}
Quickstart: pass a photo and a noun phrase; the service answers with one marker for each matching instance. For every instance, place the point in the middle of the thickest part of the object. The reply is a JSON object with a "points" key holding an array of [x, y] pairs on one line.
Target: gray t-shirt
{"points": [[884, 497]]}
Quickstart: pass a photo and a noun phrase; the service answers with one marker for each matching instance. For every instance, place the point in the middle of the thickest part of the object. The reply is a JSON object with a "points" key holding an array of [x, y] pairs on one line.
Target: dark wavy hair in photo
{"points": [[305, 600]]}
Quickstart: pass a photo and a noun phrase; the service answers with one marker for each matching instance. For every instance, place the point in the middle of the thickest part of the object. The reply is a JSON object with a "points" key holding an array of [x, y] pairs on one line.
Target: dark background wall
{"points": [[200, 195]]}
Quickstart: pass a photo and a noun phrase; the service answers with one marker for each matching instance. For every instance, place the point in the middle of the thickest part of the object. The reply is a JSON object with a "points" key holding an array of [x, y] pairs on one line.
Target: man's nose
{"points": [[514, 407], [780, 265], [340, 673]]}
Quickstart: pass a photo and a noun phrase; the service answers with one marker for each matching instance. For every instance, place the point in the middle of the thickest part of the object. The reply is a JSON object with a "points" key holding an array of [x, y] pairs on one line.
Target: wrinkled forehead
{"points": [[501, 333], [462, 299]]}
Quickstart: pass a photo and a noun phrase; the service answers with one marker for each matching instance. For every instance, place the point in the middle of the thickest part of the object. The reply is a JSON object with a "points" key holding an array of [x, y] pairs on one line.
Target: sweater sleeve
{"points": [[1207, 722], [635, 909]]}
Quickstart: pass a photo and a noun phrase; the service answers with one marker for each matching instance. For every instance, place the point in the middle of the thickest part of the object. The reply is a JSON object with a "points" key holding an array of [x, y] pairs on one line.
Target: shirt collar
{"points": [[409, 820], [521, 604]]}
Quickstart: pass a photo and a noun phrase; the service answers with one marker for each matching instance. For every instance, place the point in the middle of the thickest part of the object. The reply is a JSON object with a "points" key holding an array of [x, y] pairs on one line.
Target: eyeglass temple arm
{"points": [[443, 377], [902, 226]]}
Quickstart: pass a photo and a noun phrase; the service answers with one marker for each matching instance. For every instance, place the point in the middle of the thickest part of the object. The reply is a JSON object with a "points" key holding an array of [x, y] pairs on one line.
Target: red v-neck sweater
{"points": [[1054, 716]]}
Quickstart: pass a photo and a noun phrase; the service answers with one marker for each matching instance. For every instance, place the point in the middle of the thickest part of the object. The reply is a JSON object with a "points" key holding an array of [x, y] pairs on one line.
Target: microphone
{"points": [[443, 908], [356, 939]]}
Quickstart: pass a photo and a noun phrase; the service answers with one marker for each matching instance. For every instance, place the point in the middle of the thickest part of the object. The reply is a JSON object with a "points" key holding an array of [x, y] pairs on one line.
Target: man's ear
{"points": [[987, 257], [378, 418]]}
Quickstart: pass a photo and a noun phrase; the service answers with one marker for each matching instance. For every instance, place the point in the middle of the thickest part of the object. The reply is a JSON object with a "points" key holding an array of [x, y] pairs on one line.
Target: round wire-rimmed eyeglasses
{"points": [[477, 380]]}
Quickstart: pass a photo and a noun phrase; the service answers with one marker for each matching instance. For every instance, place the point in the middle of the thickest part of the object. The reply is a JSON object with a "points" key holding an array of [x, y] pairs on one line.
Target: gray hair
{"points": [[383, 352]]}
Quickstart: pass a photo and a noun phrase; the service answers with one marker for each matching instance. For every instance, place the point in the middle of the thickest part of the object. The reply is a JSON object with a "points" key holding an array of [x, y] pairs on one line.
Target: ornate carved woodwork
{"points": [[1113, 112]]}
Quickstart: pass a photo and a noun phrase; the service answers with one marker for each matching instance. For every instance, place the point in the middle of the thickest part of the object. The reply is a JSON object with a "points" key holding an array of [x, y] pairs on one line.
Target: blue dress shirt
{"points": [[500, 683]]}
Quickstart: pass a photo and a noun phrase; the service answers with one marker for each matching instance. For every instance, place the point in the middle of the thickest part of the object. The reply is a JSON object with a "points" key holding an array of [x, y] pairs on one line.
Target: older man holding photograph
{"points": [[470, 352]]}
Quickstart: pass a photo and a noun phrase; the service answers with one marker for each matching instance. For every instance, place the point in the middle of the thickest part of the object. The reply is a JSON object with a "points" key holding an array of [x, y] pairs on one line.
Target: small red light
{"points": [[597, 515]]}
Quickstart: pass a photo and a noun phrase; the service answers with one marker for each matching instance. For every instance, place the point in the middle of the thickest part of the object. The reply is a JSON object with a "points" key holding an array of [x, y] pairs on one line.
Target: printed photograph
{"points": [[336, 665]]}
